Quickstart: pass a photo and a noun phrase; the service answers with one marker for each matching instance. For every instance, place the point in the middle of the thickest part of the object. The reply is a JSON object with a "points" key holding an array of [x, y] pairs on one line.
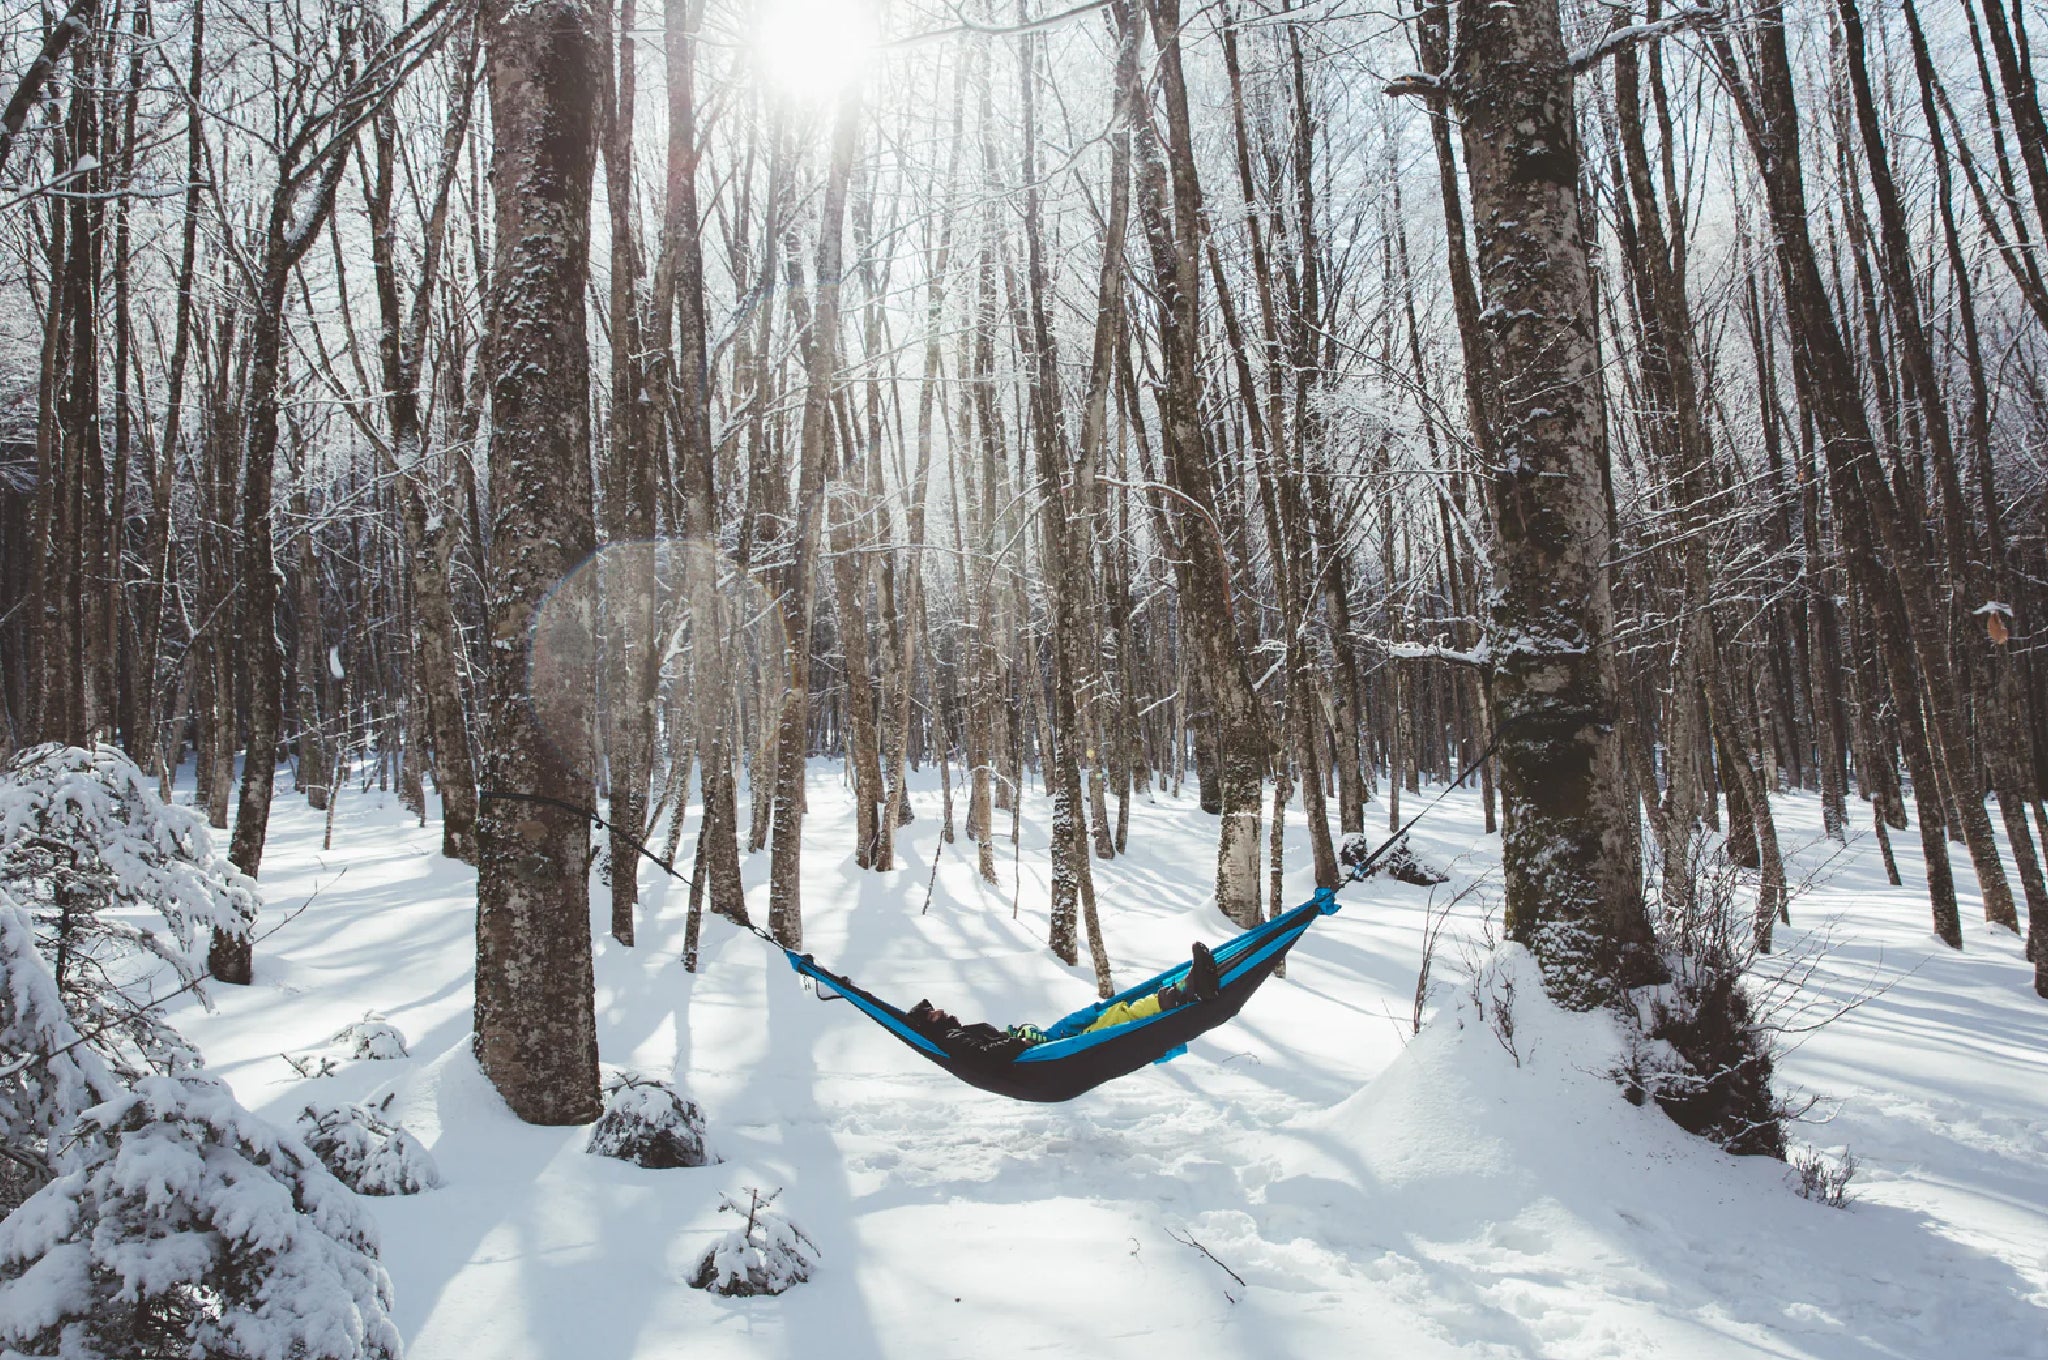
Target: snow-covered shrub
{"points": [[648, 1123], [1700, 1051], [373, 1037], [1821, 1178], [47, 1074], [1403, 865], [766, 1255], [365, 1151], [311, 1066], [181, 1225], [84, 836]]}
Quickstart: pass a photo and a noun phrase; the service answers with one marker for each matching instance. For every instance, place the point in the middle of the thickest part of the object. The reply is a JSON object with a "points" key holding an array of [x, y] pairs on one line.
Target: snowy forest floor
{"points": [[1353, 1192]]}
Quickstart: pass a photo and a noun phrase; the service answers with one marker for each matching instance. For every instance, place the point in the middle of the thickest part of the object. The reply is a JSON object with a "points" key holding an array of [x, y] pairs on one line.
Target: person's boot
{"points": [[1202, 978]]}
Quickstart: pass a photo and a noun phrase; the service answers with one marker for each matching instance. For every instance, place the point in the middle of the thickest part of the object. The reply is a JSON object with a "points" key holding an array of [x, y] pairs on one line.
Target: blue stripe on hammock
{"points": [[875, 1013], [1270, 942], [1234, 958], [1290, 923]]}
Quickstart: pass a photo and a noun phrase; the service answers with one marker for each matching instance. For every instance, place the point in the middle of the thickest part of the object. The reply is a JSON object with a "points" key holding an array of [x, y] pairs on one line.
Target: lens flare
{"points": [[712, 635]]}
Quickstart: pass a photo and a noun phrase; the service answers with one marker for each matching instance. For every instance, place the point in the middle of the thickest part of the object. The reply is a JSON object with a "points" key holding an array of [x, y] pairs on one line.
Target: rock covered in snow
{"points": [[767, 1254], [373, 1037], [365, 1151], [648, 1123], [1398, 861], [1403, 865], [183, 1225]]}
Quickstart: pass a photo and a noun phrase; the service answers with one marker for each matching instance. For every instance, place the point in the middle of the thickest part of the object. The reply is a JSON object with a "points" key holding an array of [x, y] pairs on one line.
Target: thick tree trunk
{"points": [[1569, 848], [536, 1028]]}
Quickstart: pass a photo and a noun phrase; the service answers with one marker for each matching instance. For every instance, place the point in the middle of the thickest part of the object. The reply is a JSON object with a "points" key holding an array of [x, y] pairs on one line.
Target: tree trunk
{"points": [[821, 363], [1170, 204], [1569, 851], [536, 1026]]}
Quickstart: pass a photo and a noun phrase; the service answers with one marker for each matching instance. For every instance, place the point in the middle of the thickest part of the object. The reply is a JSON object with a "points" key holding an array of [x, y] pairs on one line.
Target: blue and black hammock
{"points": [[1072, 1060]]}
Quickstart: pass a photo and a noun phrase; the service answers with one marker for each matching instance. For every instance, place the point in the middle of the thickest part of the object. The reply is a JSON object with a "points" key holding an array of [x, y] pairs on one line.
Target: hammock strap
{"points": [[592, 815], [1325, 899]]}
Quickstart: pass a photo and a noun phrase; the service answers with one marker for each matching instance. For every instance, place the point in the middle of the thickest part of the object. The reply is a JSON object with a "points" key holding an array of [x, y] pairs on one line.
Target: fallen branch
{"points": [[1192, 1241]]}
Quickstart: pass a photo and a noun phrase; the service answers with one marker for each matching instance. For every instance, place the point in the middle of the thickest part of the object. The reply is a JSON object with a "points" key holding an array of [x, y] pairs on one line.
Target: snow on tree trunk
{"points": [[1569, 841], [536, 1030]]}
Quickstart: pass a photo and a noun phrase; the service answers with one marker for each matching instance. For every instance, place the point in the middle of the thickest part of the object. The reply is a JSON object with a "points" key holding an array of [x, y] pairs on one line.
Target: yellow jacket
{"points": [[1123, 1012]]}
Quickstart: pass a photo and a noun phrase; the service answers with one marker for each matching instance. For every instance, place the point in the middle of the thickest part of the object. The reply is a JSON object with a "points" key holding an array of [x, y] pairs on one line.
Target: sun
{"points": [[814, 49]]}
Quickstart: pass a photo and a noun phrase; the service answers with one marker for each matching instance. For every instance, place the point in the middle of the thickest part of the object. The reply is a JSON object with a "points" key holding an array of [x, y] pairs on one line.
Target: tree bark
{"points": [[536, 1026], [1569, 852]]}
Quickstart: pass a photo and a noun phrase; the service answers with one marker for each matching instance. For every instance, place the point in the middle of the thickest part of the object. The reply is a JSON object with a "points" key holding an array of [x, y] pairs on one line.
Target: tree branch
{"points": [[1628, 35]]}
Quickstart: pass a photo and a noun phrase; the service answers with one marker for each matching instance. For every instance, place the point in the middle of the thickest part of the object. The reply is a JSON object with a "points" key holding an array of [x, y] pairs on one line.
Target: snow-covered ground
{"points": [[1309, 1181]]}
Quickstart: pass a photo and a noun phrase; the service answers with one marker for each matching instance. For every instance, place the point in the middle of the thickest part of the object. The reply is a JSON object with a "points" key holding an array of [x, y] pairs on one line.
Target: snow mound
{"points": [[766, 1255], [450, 1098], [367, 1153], [372, 1037], [1495, 1169], [647, 1122]]}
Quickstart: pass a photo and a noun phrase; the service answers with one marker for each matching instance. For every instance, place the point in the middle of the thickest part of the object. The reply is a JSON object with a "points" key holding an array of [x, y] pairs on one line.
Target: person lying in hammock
{"points": [[985, 1040]]}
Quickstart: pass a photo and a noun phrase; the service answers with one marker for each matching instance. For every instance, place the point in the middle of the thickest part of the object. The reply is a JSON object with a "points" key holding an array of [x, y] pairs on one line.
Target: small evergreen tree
{"points": [[767, 1254], [47, 1075], [373, 1037], [365, 1151], [181, 1225], [85, 838]]}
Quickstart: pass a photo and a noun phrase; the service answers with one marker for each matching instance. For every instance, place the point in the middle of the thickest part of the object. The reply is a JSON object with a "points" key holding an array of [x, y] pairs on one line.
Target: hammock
{"points": [[1073, 1060]]}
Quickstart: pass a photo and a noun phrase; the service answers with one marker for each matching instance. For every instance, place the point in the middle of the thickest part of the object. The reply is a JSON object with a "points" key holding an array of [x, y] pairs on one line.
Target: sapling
{"points": [[768, 1254], [366, 1151], [372, 1037]]}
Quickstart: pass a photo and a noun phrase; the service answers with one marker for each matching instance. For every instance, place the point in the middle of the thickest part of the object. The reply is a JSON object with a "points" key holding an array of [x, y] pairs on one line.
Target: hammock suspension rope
{"points": [[1072, 1058]]}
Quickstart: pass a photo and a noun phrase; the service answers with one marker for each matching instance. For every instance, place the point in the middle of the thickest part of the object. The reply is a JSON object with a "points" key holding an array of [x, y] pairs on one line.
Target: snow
{"points": [[1307, 1180], [179, 1219]]}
